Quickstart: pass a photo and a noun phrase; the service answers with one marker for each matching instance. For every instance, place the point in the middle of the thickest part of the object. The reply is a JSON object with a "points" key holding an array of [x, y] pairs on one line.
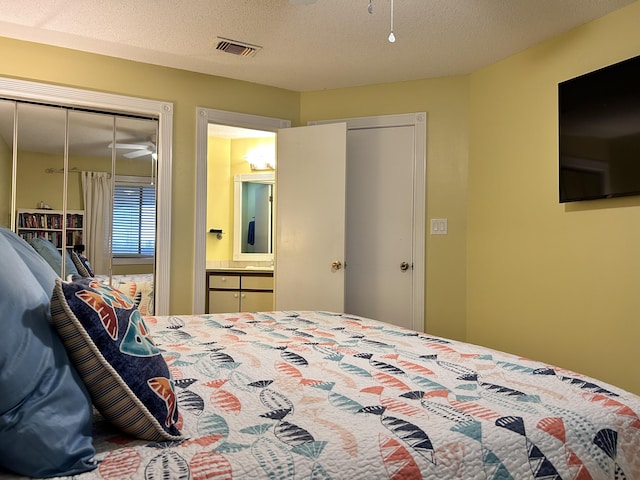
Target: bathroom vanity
{"points": [[242, 289]]}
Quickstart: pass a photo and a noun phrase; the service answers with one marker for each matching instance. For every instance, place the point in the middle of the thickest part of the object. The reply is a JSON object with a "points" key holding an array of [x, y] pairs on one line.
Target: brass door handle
{"points": [[336, 265]]}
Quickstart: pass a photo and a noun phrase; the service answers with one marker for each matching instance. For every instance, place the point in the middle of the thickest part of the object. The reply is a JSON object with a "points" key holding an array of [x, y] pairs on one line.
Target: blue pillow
{"points": [[110, 345], [43, 272], [45, 411], [52, 256]]}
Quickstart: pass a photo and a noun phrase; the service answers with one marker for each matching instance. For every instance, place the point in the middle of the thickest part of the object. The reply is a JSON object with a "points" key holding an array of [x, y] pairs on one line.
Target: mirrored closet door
{"points": [[85, 181]]}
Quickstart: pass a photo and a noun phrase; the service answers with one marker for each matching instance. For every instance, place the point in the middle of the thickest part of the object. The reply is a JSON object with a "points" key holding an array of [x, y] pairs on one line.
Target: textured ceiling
{"points": [[305, 46]]}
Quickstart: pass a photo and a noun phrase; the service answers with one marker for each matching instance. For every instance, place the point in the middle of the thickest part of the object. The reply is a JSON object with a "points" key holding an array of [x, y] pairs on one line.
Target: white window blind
{"points": [[134, 218]]}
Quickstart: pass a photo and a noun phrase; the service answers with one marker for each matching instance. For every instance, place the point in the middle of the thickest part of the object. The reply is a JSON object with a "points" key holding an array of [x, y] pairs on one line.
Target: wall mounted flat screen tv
{"points": [[599, 133]]}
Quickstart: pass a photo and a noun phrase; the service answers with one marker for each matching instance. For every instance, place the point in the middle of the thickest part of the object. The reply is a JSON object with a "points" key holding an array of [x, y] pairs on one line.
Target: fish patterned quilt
{"points": [[139, 287], [320, 395]]}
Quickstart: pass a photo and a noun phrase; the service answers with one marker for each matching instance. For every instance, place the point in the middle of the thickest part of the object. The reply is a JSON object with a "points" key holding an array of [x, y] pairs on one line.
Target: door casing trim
{"points": [[205, 116]]}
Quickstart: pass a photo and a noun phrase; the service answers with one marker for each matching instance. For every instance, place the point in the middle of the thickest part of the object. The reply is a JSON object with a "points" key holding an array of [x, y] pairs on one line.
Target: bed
{"points": [[327, 395], [138, 286], [319, 395]]}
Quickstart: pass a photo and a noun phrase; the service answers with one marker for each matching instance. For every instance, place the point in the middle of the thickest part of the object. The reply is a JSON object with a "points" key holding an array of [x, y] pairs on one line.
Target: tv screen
{"points": [[599, 133]]}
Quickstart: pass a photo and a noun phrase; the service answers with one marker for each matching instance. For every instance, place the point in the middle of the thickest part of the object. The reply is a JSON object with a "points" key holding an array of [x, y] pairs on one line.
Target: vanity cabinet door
{"points": [[221, 301], [223, 293], [257, 293], [256, 301]]}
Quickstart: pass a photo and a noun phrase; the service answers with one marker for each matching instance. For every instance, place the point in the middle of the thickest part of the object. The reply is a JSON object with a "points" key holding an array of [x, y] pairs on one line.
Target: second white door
{"points": [[379, 237]]}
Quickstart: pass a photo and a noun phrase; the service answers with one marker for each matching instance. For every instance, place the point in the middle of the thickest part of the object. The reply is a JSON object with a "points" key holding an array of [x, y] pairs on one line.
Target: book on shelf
{"points": [[51, 225]]}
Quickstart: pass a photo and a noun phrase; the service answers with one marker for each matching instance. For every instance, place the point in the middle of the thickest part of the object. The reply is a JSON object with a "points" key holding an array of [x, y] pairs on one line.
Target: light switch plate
{"points": [[439, 226]]}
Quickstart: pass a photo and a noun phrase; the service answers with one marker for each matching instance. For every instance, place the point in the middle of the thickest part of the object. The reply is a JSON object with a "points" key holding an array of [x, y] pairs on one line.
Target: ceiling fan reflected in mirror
{"points": [[138, 149]]}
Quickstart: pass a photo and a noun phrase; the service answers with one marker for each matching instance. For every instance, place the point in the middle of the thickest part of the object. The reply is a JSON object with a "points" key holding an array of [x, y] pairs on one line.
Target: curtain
{"points": [[96, 189]]}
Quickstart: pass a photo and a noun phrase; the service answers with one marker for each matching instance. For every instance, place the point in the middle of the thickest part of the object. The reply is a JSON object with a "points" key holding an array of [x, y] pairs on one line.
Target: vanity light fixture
{"points": [[261, 158], [260, 163]]}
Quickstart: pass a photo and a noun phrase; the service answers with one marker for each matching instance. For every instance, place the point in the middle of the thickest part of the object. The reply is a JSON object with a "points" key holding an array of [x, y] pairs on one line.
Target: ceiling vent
{"points": [[235, 47]]}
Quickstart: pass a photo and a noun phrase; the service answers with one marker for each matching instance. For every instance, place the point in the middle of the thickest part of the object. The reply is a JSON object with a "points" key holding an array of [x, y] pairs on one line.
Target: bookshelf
{"points": [[35, 222]]}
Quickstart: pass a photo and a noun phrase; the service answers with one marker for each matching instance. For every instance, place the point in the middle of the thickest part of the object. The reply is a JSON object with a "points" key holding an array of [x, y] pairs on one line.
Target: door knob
{"points": [[336, 265], [404, 266]]}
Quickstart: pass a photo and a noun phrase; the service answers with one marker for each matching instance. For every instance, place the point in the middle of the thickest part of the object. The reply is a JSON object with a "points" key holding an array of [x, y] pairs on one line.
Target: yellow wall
{"points": [[446, 101], [219, 199], [226, 158], [555, 282], [187, 90], [34, 184]]}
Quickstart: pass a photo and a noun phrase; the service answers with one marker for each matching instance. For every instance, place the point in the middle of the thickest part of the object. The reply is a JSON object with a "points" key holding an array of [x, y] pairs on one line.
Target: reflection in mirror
{"points": [[100, 170], [53, 169], [253, 216], [34, 187], [7, 109], [134, 212], [120, 204], [40, 197], [90, 156]]}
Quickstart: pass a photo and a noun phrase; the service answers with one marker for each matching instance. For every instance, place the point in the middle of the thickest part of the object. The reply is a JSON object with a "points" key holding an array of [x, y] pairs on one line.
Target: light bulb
{"points": [[392, 37]]}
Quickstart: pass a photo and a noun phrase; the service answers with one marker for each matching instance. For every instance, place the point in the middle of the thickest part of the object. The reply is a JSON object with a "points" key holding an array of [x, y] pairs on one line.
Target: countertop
{"points": [[244, 270]]}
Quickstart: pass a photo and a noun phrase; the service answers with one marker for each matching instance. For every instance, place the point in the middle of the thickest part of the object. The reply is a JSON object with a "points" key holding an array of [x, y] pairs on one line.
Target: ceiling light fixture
{"points": [[392, 37]]}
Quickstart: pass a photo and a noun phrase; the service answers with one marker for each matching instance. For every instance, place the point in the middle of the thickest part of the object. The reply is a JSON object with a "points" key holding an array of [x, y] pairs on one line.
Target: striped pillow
{"points": [[123, 370], [82, 264]]}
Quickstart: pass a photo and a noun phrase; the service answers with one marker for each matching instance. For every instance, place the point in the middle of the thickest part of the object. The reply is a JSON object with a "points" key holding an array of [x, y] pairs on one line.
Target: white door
{"points": [[310, 218], [379, 240]]}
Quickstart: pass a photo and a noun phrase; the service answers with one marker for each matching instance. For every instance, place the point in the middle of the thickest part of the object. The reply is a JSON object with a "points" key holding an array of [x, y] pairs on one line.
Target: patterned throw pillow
{"points": [[108, 341]]}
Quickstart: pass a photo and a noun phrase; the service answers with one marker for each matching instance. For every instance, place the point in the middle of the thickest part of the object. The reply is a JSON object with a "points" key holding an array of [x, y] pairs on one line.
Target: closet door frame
{"points": [[67, 96]]}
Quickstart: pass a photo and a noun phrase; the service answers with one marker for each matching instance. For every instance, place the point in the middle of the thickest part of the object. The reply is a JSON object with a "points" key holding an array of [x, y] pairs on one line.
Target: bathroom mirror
{"points": [[253, 217]]}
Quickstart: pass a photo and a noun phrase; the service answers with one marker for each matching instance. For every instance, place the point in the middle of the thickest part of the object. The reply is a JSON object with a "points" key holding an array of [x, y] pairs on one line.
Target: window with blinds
{"points": [[134, 218]]}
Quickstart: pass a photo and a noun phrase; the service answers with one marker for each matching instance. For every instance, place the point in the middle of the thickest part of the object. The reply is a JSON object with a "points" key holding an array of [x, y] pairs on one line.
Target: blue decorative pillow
{"points": [[110, 345], [52, 256], [45, 410]]}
